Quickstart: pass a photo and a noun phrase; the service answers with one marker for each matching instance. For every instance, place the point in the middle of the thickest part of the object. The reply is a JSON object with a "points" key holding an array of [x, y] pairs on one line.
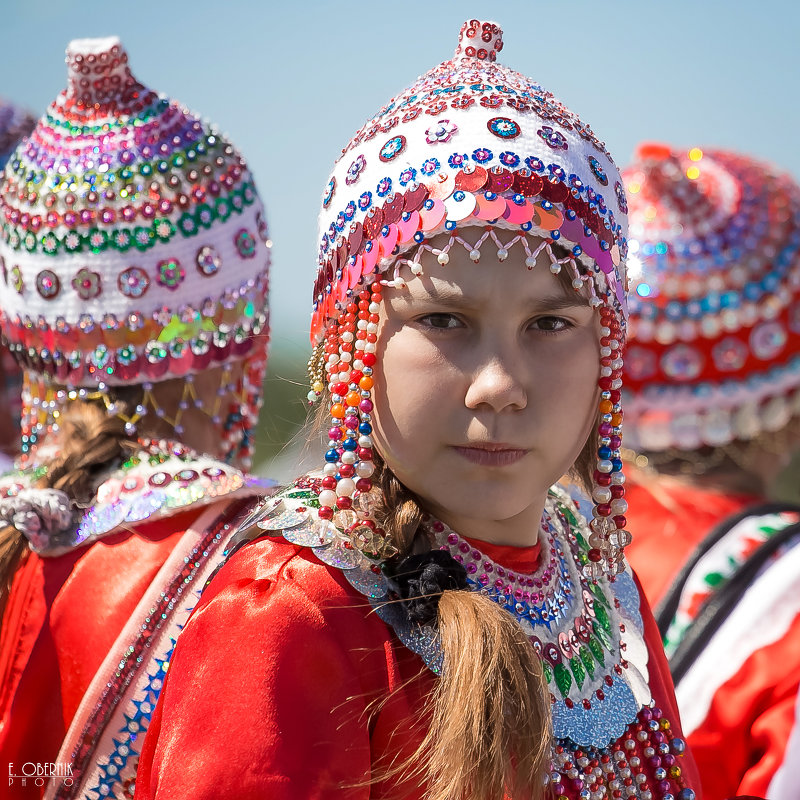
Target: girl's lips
{"points": [[490, 454]]}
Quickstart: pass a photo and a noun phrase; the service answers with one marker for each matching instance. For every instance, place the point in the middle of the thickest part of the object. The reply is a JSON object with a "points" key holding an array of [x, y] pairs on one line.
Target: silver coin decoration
{"points": [[287, 518], [316, 533], [144, 506], [101, 519], [372, 584], [338, 555]]}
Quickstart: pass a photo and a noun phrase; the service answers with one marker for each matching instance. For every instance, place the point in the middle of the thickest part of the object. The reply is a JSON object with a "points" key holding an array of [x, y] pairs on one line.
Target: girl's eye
{"points": [[552, 324], [441, 322]]}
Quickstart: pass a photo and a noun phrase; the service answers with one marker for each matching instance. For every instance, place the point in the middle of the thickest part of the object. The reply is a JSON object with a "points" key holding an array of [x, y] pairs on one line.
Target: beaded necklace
{"points": [[611, 740], [578, 626]]}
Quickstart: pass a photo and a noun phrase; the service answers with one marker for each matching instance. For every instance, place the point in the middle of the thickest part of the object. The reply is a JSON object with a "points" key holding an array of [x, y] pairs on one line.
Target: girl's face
{"points": [[487, 386]]}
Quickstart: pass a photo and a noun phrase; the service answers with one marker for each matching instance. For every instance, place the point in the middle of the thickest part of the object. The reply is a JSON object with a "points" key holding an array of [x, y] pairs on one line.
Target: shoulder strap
{"points": [[666, 609], [721, 604]]}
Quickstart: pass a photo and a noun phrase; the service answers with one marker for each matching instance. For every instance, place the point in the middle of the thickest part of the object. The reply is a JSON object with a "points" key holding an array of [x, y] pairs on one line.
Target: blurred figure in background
{"points": [[712, 373], [134, 295], [15, 123]]}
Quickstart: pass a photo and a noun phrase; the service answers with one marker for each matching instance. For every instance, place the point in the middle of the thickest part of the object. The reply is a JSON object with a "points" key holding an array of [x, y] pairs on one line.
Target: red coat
{"points": [[61, 618], [89, 625], [285, 684]]}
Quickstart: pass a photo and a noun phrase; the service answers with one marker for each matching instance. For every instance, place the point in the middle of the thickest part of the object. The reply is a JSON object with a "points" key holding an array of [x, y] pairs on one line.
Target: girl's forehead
{"points": [[488, 280]]}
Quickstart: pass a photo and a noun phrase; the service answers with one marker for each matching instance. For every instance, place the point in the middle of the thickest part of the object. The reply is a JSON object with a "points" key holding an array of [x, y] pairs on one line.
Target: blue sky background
{"points": [[291, 81]]}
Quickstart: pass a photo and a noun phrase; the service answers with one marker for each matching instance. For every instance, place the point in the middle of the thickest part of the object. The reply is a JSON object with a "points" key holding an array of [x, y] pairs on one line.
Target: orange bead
{"points": [[616, 420], [606, 407], [337, 411], [366, 383], [352, 398]]}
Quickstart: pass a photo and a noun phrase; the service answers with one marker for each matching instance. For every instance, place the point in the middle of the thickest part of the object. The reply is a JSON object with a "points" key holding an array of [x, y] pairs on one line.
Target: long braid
{"points": [[91, 442]]}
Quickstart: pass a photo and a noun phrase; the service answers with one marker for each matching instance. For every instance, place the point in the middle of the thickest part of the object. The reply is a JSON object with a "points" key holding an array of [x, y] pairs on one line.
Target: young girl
{"points": [[713, 380], [425, 616], [134, 297]]}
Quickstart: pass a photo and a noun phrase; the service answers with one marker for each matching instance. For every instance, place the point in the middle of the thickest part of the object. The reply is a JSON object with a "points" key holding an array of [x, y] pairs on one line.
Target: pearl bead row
{"points": [[349, 353], [609, 537], [579, 280]]}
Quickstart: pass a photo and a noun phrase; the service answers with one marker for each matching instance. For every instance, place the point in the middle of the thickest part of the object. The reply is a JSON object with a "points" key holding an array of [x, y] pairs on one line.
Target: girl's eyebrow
{"points": [[453, 299]]}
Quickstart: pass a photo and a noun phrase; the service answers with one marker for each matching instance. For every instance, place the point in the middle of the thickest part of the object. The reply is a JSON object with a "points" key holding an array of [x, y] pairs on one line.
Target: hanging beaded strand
{"points": [[350, 350], [609, 537], [46, 402]]}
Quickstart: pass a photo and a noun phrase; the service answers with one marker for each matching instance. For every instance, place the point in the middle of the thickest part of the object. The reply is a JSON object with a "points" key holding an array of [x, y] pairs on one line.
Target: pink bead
{"points": [[335, 434], [351, 422], [605, 429], [365, 406]]}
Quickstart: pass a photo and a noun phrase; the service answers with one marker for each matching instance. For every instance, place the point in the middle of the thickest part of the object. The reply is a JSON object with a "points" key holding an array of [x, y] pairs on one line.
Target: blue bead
{"points": [[678, 745], [616, 464], [365, 429], [686, 794], [331, 456], [350, 444], [604, 452]]}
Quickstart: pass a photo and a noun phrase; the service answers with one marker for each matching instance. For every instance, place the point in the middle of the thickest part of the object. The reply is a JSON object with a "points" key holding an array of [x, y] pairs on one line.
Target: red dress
{"points": [[286, 684], [79, 641], [61, 618]]}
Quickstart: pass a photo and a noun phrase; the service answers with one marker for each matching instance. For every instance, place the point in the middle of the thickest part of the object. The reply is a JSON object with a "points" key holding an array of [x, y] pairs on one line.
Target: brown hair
{"points": [[490, 729], [90, 441]]}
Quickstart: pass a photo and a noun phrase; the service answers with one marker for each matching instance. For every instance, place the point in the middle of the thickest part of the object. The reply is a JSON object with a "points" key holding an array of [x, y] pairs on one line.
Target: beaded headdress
{"points": [[134, 249], [480, 152], [714, 342]]}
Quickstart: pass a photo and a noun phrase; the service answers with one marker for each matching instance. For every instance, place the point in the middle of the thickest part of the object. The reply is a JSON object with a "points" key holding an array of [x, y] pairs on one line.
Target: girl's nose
{"points": [[496, 385]]}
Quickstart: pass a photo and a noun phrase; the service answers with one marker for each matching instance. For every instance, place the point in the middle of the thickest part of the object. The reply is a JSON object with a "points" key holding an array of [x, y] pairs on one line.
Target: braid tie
{"points": [[41, 515], [422, 578]]}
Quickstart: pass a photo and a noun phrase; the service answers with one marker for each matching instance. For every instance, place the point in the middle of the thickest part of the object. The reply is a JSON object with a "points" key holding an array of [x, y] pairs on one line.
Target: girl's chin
{"points": [[480, 502]]}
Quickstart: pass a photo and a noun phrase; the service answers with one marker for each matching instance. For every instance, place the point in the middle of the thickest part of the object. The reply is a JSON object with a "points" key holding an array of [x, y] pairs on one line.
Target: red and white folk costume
{"points": [[133, 251], [712, 369], [284, 668]]}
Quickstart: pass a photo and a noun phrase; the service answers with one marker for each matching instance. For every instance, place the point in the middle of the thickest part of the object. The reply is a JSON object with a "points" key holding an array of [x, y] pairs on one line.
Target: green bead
{"points": [[602, 616], [587, 659], [602, 635], [578, 671], [597, 651], [563, 678], [598, 595]]}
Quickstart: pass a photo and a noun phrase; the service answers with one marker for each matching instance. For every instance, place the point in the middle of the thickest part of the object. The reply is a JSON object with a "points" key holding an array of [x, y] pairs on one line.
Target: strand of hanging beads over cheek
{"points": [[609, 537], [350, 345]]}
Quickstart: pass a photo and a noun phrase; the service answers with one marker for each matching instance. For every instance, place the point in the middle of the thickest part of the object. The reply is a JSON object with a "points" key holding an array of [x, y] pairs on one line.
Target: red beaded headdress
{"points": [[133, 249], [714, 354], [471, 145]]}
